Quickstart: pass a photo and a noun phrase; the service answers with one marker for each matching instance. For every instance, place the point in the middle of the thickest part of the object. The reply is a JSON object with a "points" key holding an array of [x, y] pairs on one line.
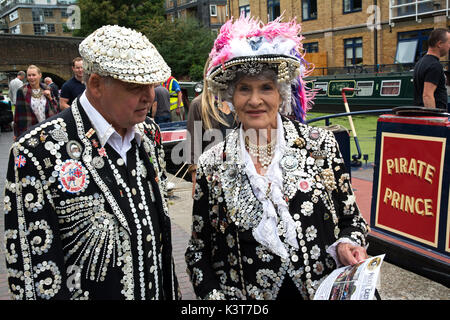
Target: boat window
{"points": [[366, 88], [390, 87], [321, 87]]}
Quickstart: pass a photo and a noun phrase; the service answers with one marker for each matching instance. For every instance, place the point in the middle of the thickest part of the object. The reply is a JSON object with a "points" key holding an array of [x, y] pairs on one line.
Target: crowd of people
{"points": [[85, 196]]}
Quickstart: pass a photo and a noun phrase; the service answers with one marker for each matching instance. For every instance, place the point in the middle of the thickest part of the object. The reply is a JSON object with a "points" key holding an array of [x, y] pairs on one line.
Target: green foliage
{"points": [[184, 45], [127, 13]]}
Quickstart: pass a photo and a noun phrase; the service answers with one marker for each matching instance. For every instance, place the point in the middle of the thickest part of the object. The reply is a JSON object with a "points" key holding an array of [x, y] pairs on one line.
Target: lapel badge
{"points": [[32, 142], [314, 134], [20, 161], [74, 149], [102, 152], [304, 185], [289, 163], [300, 142], [90, 133], [98, 162], [73, 177], [59, 135], [43, 136], [95, 143], [47, 163]]}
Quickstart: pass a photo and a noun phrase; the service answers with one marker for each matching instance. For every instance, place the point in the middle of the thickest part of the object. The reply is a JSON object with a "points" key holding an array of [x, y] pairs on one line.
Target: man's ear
{"points": [[96, 85]]}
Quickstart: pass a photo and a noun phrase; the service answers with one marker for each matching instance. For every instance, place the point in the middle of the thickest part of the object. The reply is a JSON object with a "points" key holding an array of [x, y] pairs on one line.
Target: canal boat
{"points": [[372, 91]]}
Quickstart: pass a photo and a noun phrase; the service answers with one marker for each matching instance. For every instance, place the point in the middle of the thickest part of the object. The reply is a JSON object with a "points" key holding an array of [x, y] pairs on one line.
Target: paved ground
{"points": [[395, 283]]}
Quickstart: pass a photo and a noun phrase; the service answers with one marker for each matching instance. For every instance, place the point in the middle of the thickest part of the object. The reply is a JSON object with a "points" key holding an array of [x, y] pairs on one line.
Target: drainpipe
{"points": [[375, 37]]}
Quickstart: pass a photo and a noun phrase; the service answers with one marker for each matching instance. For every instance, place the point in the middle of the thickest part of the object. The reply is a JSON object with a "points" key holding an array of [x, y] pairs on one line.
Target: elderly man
{"points": [[14, 85], [86, 214]]}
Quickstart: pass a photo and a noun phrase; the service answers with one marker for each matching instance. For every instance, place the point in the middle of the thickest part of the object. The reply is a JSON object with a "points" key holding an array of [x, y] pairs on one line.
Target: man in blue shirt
{"points": [[73, 87]]}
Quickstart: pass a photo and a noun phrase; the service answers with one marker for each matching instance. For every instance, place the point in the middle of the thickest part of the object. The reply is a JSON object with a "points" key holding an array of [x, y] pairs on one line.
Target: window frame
{"points": [[247, 12], [352, 7], [324, 86], [311, 44], [273, 4], [372, 84], [211, 6], [390, 95], [309, 10], [354, 45]]}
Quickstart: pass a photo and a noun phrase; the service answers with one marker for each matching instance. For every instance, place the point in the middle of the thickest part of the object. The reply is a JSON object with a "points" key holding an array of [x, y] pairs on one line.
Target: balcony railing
{"points": [[408, 9]]}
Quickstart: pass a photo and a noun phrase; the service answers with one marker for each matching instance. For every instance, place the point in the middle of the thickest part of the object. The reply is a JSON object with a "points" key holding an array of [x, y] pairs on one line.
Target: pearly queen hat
{"points": [[123, 54], [248, 46]]}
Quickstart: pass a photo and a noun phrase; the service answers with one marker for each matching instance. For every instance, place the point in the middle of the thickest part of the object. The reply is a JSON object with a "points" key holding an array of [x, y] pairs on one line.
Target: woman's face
{"points": [[33, 77], [256, 102]]}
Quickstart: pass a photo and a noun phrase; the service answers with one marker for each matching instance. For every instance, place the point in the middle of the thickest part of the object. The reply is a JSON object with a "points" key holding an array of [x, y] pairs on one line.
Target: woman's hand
{"points": [[48, 94], [349, 254]]}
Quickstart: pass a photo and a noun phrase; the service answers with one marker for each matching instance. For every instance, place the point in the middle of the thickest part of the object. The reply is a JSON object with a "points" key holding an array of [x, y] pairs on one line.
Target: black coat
{"points": [[224, 259], [72, 231]]}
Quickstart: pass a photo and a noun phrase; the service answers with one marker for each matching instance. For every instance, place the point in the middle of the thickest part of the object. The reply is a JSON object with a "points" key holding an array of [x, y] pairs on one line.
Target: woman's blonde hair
{"points": [[209, 104], [32, 66]]}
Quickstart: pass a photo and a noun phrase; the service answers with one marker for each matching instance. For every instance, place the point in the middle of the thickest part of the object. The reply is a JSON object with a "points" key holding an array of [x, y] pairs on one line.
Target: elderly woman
{"points": [[274, 211], [34, 102]]}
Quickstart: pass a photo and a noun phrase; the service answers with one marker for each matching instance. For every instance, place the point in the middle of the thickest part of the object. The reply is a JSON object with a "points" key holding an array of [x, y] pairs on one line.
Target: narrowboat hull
{"points": [[373, 91]]}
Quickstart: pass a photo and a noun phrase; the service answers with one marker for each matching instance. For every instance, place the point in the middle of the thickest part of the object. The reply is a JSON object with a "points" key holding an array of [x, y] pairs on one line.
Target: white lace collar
{"points": [[268, 189]]}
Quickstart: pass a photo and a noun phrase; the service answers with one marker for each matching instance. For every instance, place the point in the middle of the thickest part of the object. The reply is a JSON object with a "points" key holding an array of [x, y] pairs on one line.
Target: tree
{"points": [[184, 44], [126, 13]]}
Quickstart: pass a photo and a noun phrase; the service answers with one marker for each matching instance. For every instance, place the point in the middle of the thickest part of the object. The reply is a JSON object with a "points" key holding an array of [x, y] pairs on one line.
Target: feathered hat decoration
{"points": [[249, 46]]}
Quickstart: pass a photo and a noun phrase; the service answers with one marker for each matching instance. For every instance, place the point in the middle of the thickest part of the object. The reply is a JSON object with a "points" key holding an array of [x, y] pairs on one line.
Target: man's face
{"points": [[78, 69], [444, 46], [125, 104]]}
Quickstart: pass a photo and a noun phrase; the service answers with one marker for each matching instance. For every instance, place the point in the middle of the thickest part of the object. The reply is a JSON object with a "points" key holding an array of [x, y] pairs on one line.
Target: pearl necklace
{"points": [[263, 153]]}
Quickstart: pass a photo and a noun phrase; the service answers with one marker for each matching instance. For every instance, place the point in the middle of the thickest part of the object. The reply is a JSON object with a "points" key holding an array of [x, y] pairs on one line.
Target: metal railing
{"points": [[404, 9]]}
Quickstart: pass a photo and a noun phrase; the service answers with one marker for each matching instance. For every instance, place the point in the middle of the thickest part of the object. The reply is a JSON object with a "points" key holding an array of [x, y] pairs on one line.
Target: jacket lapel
{"points": [[101, 175]]}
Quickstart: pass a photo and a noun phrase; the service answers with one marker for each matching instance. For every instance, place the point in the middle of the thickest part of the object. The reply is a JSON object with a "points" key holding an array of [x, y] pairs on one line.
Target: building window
{"points": [[13, 16], [48, 13], [311, 47], [15, 29], [244, 10], [353, 51], [213, 10], [51, 28], [38, 15], [309, 9], [64, 13], [39, 29], [273, 9], [352, 6], [412, 45]]}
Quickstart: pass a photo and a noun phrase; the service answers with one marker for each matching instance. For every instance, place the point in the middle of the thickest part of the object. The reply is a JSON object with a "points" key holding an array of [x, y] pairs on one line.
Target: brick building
{"points": [[342, 32], [35, 17], [211, 13]]}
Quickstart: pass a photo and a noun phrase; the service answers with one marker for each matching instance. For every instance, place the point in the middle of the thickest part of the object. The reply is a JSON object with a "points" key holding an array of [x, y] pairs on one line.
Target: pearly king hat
{"points": [[249, 46], [123, 54]]}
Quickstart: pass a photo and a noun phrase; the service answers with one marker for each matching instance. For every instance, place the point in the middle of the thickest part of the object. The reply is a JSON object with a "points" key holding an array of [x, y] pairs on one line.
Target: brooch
{"points": [[73, 177]]}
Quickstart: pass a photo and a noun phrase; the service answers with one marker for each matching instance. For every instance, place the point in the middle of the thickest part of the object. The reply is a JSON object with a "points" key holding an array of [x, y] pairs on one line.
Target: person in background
{"points": [[53, 87], [274, 211], [14, 85], [161, 106], [73, 87], [176, 99], [429, 78], [208, 123], [34, 102]]}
